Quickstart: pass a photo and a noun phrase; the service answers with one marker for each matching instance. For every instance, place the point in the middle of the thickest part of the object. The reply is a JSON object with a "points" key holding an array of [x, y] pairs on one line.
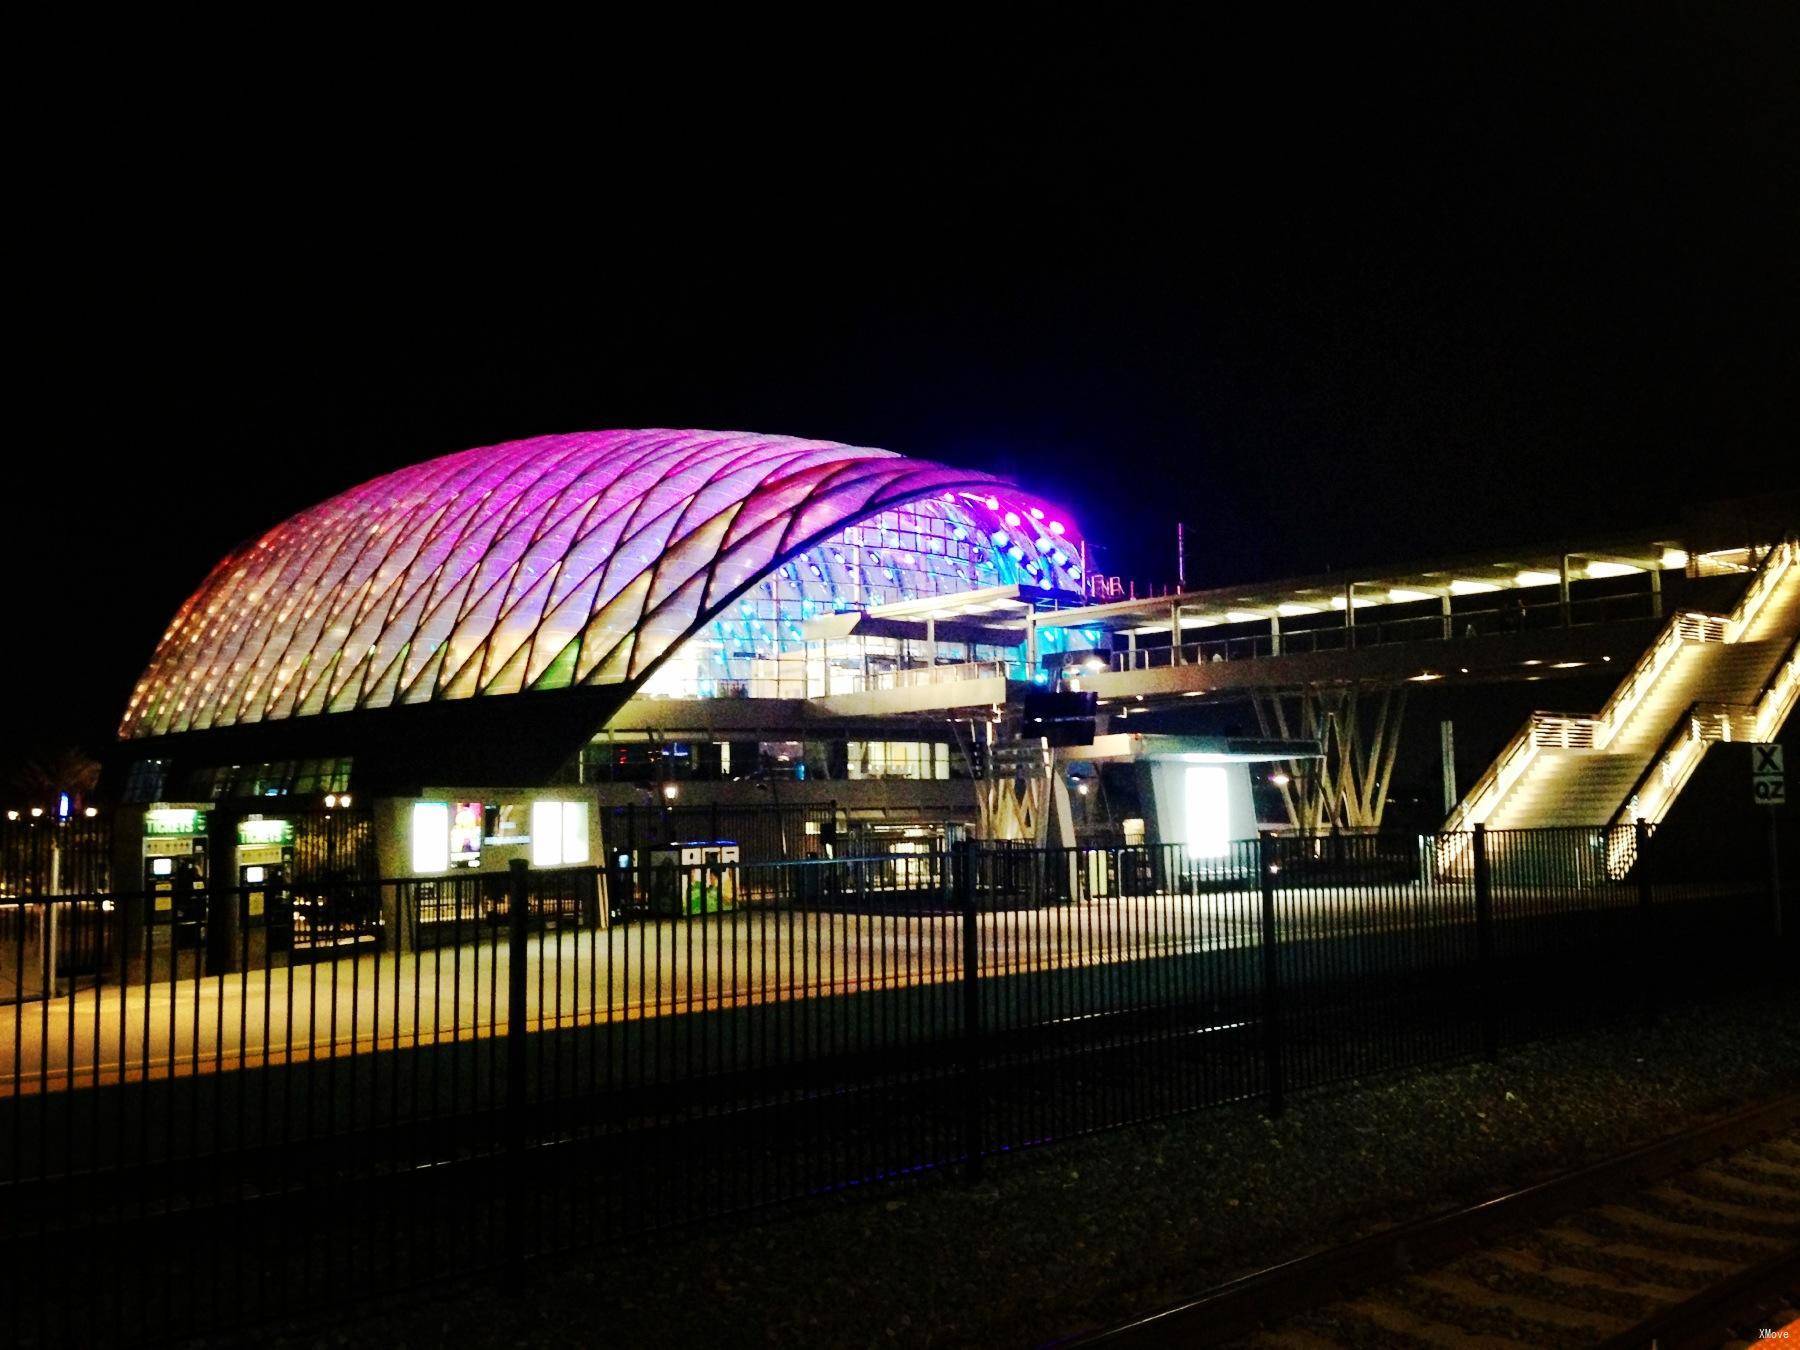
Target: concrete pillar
{"points": [[399, 916], [1449, 624], [1175, 634], [1656, 608], [1131, 649], [1275, 635], [1350, 613], [1562, 587], [393, 858], [931, 647]]}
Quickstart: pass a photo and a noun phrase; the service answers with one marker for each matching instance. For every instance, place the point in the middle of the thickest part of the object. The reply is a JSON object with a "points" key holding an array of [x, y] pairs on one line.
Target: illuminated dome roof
{"points": [[548, 563]]}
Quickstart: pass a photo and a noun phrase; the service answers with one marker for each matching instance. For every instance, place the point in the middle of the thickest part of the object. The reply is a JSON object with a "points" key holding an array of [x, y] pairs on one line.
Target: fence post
{"points": [[1484, 946], [1271, 960], [1775, 872], [963, 857], [1646, 921], [518, 896]]}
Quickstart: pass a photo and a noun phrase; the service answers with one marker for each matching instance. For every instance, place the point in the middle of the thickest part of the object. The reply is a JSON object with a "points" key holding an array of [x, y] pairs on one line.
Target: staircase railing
{"points": [[1488, 790], [1540, 728], [1774, 566], [1703, 725]]}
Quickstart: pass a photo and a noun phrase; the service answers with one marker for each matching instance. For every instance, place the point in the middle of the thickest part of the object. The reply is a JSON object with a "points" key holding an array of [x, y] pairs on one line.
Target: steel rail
{"points": [[1704, 1319], [1239, 1306]]}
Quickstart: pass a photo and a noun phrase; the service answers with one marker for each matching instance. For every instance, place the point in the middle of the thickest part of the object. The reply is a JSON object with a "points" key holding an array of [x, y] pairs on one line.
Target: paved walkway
{"points": [[381, 1001]]}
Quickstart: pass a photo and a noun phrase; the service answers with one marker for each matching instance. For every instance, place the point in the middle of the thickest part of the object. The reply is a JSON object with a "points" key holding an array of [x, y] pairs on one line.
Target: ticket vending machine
{"points": [[696, 877], [265, 859], [175, 893]]}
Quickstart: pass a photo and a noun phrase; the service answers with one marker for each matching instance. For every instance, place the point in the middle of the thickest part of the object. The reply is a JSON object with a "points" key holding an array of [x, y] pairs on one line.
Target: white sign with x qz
{"points": [[1768, 776]]}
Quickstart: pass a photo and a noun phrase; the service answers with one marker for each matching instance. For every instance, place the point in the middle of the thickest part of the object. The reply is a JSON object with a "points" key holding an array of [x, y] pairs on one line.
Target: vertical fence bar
{"points": [[1271, 972], [518, 888], [964, 866], [1647, 971], [1484, 946]]}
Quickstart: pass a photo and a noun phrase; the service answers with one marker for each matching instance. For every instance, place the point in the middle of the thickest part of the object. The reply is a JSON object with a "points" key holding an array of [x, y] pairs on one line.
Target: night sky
{"points": [[1419, 283]]}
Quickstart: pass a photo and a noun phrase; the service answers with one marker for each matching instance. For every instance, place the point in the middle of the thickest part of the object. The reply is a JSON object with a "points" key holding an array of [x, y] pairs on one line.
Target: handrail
{"points": [[1677, 757], [1765, 710], [910, 677], [1683, 626], [1366, 633], [1693, 625], [1783, 687], [1775, 562]]}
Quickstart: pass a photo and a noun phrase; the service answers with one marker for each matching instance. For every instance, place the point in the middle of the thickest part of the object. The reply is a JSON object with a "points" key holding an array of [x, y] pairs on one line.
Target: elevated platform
{"points": [[1533, 654]]}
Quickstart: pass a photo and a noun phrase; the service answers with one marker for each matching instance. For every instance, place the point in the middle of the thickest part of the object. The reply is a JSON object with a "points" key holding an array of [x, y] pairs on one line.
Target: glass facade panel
{"points": [[916, 760]]}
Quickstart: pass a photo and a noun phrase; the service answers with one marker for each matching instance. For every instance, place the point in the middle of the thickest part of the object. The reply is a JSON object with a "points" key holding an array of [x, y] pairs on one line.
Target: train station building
{"points": [[575, 648], [588, 648]]}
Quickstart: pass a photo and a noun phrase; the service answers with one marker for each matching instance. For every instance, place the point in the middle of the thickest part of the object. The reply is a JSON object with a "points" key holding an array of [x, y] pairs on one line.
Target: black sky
{"points": [[1413, 282]]}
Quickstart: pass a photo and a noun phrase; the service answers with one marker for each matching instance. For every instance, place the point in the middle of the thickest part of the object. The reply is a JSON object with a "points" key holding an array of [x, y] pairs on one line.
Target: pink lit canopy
{"points": [[578, 559]]}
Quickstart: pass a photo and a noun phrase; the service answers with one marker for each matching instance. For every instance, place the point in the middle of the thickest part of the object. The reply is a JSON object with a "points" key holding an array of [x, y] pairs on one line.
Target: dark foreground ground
{"points": [[1088, 1232]]}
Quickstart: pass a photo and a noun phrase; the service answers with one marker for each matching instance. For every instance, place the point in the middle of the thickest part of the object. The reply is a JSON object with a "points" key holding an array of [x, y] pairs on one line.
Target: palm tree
{"points": [[41, 776]]}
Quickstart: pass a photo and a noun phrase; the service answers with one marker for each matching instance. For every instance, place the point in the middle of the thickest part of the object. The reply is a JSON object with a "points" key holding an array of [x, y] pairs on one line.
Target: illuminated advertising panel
{"points": [[1207, 812], [466, 821], [430, 837]]}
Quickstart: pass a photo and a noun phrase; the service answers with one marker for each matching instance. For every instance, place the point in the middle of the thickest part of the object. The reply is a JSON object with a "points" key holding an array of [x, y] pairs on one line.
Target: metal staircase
{"points": [[1706, 678]]}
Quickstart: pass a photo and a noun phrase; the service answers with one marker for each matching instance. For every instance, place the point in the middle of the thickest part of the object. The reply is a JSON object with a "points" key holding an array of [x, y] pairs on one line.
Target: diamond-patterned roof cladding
{"points": [[578, 559]]}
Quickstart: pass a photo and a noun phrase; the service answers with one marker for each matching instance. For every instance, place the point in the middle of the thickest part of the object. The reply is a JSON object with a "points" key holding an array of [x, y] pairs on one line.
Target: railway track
{"points": [[1693, 1241]]}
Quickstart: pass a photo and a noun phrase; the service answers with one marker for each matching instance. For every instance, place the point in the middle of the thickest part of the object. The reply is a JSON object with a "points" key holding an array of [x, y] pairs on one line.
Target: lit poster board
{"points": [[507, 824], [466, 820]]}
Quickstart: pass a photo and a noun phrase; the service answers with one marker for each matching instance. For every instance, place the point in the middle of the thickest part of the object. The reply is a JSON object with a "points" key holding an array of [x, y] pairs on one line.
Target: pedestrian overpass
{"points": [[1703, 642]]}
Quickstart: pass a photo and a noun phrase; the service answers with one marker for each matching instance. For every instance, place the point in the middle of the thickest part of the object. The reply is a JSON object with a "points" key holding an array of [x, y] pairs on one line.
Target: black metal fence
{"points": [[41, 853], [313, 1101]]}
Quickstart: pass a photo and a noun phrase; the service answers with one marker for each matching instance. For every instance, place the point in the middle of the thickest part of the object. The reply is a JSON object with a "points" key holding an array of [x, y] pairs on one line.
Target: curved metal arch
{"points": [[495, 561]]}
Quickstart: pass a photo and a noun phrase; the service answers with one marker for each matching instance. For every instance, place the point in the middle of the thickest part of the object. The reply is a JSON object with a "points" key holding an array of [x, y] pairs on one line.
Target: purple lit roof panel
{"points": [[478, 570]]}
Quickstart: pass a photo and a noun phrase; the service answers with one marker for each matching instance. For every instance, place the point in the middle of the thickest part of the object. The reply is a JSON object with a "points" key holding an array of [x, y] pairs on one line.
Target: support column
{"points": [[1175, 634], [1274, 635], [1447, 747], [1562, 588], [931, 650], [1656, 610], [1350, 613], [1449, 622]]}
